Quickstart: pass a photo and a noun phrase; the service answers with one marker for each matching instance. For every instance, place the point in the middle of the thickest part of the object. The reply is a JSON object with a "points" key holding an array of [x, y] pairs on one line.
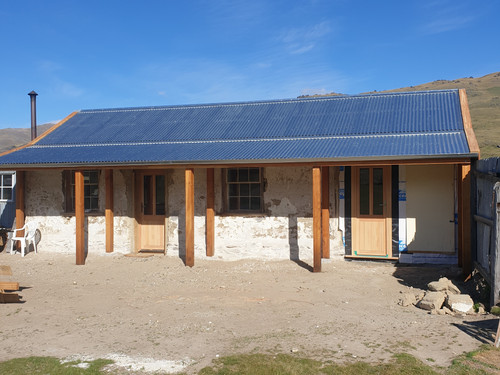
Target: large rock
{"points": [[443, 285], [460, 303], [432, 301], [407, 299]]}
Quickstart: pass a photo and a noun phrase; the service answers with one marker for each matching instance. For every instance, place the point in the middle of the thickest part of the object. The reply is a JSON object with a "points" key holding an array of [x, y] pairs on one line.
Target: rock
{"points": [[443, 285], [432, 301], [407, 299], [460, 303], [448, 311]]}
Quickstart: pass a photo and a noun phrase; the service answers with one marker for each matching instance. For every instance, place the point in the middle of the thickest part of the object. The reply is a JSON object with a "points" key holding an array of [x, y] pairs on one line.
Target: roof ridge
{"points": [[262, 102]]}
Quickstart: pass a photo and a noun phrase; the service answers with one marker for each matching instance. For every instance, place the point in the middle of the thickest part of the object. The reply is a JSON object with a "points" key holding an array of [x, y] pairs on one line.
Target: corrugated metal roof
{"points": [[414, 124]]}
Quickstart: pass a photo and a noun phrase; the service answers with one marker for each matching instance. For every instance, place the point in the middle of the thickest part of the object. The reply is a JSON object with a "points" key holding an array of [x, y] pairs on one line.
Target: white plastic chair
{"points": [[29, 236]]}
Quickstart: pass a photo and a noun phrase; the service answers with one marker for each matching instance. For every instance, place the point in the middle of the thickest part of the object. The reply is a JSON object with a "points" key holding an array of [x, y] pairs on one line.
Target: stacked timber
{"points": [[7, 288]]}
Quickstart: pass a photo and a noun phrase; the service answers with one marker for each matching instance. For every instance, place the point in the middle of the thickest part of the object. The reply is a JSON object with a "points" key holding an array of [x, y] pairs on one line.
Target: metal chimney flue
{"points": [[33, 95]]}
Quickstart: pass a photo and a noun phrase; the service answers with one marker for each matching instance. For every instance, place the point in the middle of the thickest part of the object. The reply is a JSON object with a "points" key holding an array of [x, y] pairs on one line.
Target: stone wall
{"points": [[282, 231]]}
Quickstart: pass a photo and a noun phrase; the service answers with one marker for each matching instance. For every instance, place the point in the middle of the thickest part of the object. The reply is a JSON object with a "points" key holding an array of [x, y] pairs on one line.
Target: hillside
{"points": [[15, 137]]}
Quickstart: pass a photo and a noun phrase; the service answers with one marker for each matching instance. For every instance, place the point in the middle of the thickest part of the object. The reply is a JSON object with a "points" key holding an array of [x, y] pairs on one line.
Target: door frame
{"points": [[139, 206], [386, 216]]}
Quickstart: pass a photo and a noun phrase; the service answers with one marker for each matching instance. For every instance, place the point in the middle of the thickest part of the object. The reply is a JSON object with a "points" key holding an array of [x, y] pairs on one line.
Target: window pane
{"points": [[378, 191], [86, 202], [86, 190], [233, 190], [243, 175], [244, 190], [255, 190], [255, 203], [93, 177], [94, 204], [148, 199], [364, 191], [7, 193], [233, 203], [244, 203], [7, 180], [254, 175], [232, 175], [160, 195]]}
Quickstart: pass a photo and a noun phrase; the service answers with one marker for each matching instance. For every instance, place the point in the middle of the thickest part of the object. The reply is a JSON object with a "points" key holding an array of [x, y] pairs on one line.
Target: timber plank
{"points": [[9, 285], [9, 297]]}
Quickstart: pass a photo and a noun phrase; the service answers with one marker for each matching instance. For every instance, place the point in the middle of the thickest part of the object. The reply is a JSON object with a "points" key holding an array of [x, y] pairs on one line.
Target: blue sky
{"points": [[100, 54]]}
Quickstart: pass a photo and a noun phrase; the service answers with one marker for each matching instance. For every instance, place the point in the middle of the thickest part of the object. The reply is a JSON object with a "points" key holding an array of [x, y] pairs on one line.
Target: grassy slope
{"points": [[484, 104]]}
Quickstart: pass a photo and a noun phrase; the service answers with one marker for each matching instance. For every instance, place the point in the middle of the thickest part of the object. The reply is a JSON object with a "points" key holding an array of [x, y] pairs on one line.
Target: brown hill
{"points": [[15, 137]]}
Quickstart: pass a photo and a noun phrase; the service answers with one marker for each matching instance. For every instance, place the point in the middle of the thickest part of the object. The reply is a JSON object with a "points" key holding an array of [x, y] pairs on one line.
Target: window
{"points": [[244, 189], [6, 186], [90, 190]]}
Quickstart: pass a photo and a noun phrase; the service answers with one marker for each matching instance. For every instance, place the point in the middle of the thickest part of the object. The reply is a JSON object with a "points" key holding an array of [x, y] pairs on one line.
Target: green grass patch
{"points": [[52, 366]]}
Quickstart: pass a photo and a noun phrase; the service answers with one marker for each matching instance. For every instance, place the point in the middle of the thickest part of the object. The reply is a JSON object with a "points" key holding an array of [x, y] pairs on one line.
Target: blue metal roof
{"points": [[376, 126]]}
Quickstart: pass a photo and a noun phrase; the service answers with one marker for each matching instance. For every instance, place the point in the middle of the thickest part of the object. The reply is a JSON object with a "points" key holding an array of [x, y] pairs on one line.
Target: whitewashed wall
{"points": [[283, 231], [44, 204]]}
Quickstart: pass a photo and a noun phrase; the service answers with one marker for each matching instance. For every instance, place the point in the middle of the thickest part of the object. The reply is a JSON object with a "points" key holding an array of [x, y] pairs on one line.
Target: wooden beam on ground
{"points": [[189, 178], [325, 212], [20, 210], [9, 297], [316, 198], [464, 219], [9, 285], [80, 217], [210, 214], [109, 211]]}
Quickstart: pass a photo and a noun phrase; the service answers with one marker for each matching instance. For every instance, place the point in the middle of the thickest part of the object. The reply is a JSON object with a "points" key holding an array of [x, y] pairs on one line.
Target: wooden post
{"points": [[325, 212], [20, 214], [189, 178], [464, 226], [109, 211], [316, 176], [80, 217], [210, 232]]}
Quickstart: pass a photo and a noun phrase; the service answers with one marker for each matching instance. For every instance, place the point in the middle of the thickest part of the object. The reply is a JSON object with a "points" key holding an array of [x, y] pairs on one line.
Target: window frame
{"points": [[11, 187], [226, 188], [69, 191]]}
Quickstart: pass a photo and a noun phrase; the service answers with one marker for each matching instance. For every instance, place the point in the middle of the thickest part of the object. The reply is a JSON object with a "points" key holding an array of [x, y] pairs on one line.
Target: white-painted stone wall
{"points": [[44, 204], [283, 231]]}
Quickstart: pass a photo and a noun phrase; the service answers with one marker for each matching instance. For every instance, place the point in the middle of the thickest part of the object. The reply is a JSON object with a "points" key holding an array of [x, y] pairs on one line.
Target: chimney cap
{"points": [[32, 93]]}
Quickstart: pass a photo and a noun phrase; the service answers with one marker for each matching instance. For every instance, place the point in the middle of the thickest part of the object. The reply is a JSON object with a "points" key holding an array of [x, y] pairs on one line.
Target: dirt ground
{"points": [[155, 310]]}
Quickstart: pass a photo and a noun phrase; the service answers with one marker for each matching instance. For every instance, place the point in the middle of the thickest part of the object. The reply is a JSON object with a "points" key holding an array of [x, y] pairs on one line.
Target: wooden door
{"points": [[371, 212], [150, 193]]}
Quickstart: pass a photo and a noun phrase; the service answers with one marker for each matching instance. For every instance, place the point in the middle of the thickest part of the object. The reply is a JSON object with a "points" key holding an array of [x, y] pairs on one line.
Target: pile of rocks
{"points": [[443, 297]]}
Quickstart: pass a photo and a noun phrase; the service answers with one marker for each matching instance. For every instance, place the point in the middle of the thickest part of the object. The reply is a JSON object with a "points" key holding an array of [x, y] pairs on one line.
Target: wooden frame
{"points": [[316, 203], [464, 219], [385, 217], [325, 212], [189, 182], [109, 212], [80, 217], [210, 214]]}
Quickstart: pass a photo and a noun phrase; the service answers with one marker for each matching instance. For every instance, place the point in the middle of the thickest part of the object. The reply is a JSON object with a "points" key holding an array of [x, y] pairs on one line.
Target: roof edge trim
{"points": [[46, 133], [467, 122]]}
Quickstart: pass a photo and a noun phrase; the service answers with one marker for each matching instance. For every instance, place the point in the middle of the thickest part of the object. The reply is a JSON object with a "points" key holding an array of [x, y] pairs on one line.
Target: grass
{"points": [[484, 361], [52, 366]]}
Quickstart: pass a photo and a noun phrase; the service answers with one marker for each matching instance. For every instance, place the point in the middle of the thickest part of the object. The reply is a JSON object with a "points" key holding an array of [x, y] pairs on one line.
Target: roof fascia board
{"points": [[34, 141], [467, 121], [454, 159]]}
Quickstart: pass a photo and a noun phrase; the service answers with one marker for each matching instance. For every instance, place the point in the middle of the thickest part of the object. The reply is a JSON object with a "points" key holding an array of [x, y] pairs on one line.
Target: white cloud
{"points": [[444, 16], [302, 40]]}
